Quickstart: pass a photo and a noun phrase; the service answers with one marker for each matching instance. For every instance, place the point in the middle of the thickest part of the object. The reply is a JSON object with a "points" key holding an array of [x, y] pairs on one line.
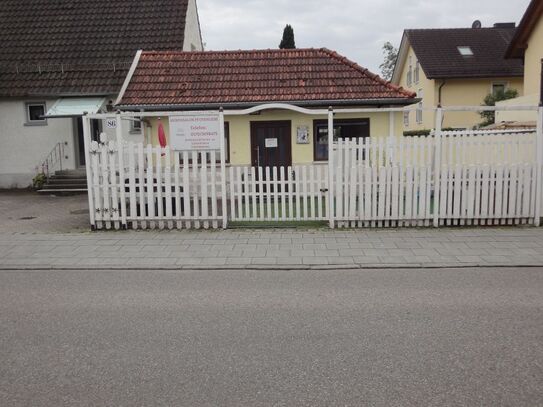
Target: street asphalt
{"points": [[432, 337]]}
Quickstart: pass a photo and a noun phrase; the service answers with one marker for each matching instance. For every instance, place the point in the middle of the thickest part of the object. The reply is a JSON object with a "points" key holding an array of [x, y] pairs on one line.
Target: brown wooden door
{"points": [[270, 144]]}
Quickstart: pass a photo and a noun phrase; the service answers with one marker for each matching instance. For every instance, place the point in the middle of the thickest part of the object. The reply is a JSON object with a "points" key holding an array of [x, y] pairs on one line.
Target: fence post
{"points": [[223, 169], [120, 151], [539, 164], [331, 203], [437, 163], [90, 191]]}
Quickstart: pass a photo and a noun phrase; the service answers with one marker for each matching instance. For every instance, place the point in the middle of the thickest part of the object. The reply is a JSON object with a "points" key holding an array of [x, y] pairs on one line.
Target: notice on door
{"points": [[195, 131], [271, 143]]}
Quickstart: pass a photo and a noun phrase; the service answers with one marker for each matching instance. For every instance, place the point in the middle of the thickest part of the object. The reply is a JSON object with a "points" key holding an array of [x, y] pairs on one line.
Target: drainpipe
{"points": [[541, 86], [443, 82], [439, 97]]}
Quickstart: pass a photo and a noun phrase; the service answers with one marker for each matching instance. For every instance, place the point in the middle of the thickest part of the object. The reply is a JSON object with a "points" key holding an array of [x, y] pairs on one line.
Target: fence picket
{"points": [[168, 187]]}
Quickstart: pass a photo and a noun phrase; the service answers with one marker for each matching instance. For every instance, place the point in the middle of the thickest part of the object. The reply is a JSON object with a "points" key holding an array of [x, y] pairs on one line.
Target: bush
{"points": [[414, 133], [424, 132], [39, 181], [491, 99]]}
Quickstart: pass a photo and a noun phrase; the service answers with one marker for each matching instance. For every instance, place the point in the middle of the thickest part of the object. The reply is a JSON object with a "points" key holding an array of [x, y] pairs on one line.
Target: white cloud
{"points": [[354, 28]]}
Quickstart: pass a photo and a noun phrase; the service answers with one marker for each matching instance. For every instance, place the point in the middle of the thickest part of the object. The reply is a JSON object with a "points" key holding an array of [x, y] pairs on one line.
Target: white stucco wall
{"points": [[518, 116], [23, 148], [193, 36]]}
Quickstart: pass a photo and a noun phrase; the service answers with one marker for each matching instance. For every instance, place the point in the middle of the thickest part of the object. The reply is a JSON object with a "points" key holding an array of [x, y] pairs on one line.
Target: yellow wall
{"points": [[470, 92], [532, 60], [240, 131], [428, 94], [455, 92]]}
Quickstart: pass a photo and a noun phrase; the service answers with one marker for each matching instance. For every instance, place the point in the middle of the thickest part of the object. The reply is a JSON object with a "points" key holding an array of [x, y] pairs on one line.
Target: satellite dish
{"points": [[476, 24]]}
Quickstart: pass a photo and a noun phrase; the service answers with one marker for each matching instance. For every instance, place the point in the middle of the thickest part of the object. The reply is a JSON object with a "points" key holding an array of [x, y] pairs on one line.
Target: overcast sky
{"points": [[355, 28]]}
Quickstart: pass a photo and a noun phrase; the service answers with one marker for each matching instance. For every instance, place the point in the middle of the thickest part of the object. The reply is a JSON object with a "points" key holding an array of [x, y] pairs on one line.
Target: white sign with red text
{"points": [[195, 131]]}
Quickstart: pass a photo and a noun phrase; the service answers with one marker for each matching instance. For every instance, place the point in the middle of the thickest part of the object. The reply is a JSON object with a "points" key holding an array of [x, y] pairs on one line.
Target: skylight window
{"points": [[465, 51]]}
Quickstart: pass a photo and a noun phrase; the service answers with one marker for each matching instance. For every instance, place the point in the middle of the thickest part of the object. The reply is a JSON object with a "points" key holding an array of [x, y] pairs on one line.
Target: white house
{"points": [[59, 59]]}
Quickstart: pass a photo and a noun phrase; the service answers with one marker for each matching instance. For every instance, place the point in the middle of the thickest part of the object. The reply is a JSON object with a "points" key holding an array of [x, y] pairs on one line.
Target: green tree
{"points": [[391, 55], [288, 38], [491, 99]]}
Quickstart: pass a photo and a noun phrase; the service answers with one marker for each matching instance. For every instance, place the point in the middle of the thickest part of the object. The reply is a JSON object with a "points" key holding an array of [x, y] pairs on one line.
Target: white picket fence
{"points": [[160, 188], [297, 193], [383, 182], [483, 178]]}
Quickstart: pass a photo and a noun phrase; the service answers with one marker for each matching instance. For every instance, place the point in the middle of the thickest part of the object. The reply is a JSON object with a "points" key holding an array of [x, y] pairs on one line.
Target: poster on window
{"points": [[302, 135], [197, 131]]}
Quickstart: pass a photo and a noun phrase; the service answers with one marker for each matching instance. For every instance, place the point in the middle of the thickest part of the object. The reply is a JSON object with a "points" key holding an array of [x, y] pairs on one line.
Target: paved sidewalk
{"points": [[275, 248], [28, 211]]}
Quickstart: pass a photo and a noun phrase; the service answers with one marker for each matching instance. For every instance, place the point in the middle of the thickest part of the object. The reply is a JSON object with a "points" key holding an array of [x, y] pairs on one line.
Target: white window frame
{"points": [[417, 72], [410, 72], [504, 84], [133, 128], [465, 50], [406, 118], [420, 94], [28, 121]]}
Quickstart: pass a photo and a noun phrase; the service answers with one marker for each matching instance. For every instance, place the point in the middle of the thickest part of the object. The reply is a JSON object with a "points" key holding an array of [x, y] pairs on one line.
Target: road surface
{"points": [[461, 337]]}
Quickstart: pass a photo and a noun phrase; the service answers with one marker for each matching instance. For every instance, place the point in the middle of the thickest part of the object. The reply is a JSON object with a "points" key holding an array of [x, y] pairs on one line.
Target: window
{"points": [[410, 73], [465, 51], [406, 119], [417, 72], [498, 88], [420, 94], [34, 113], [348, 128], [226, 142], [135, 126]]}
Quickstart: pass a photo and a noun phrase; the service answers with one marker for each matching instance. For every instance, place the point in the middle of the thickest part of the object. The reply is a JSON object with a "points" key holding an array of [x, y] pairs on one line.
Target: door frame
{"points": [[79, 138], [77, 142], [271, 123]]}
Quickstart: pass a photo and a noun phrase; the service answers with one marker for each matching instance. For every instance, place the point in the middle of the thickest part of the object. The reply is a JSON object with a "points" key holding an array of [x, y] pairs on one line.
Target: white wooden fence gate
{"points": [[448, 178]]}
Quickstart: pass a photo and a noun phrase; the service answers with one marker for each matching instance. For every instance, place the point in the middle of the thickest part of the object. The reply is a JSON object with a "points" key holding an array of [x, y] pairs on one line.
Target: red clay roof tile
{"points": [[175, 78]]}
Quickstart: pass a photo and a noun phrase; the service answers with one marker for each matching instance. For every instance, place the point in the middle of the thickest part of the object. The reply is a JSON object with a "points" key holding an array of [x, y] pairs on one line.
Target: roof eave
{"points": [[519, 43], [57, 95], [473, 76], [309, 103], [400, 60]]}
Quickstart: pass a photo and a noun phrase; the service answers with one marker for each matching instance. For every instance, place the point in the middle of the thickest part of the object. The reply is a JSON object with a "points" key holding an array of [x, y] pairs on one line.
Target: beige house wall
{"points": [[455, 92], [423, 87], [470, 92], [532, 60], [240, 131]]}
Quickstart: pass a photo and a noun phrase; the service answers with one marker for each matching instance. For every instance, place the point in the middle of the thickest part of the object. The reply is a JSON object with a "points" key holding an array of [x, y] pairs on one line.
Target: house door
{"points": [[96, 129], [270, 144]]}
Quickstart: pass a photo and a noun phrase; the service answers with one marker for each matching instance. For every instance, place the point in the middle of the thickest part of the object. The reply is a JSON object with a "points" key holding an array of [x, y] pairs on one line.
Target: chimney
{"points": [[505, 25]]}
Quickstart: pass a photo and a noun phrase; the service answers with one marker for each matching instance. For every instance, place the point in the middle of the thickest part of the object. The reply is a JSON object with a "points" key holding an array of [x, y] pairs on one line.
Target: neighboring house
{"points": [[63, 57], [455, 67], [311, 78], [527, 46]]}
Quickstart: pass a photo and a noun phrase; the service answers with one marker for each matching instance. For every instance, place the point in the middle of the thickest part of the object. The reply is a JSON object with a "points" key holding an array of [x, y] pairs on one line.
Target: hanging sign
{"points": [[195, 131]]}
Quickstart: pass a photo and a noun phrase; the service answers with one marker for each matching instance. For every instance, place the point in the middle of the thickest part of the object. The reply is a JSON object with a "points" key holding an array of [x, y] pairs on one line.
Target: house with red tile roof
{"points": [[63, 57], [310, 78]]}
